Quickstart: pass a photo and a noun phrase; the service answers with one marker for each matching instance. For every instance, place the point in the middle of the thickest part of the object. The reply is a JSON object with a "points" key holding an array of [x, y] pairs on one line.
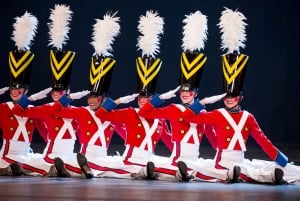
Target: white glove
{"points": [[3, 90], [79, 95], [40, 95], [169, 94], [128, 99], [212, 99]]}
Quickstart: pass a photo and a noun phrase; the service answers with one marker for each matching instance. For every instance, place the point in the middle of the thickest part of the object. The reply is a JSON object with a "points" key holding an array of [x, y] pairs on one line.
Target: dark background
{"points": [[272, 81]]}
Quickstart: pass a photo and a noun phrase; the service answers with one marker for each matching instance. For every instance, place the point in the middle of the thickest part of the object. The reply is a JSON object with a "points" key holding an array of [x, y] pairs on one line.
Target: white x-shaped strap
{"points": [[100, 132], [21, 129], [237, 136], [149, 131]]}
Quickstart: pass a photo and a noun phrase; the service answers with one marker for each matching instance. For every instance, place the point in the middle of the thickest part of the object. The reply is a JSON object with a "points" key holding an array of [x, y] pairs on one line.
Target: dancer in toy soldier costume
{"points": [[141, 135], [233, 125], [60, 131], [94, 134], [17, 130], [186, 137]]}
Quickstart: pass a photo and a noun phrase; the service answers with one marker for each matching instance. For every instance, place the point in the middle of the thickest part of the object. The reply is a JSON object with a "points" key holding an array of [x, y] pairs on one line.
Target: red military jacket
{"points": [[179, 127], [10, 122], [88, 125], [135, 127], [54, 123], [225, 131]]}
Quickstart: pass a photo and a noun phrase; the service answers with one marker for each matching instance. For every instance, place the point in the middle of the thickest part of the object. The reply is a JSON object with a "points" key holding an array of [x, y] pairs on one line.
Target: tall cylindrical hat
{"points": [[61, 68], [191, 69], [147, 69], [100, 75], [61, 61], [20, 60], [148, 66], [234, 69], [102, 64], [234, 64], [20, 66], [192, 61]]}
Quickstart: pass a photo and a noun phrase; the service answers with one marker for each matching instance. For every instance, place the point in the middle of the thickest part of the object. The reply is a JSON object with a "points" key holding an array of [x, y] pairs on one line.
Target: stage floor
{"points": [[66, 189]]}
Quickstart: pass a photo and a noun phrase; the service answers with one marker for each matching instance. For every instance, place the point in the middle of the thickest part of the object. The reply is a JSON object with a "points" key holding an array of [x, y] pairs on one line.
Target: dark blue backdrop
{"points": [[272, 82]]}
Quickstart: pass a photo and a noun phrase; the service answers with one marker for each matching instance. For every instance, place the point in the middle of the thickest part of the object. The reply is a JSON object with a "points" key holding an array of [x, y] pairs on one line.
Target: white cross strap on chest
{"points": [[67, 126], [149, 131], [237, 136], [21, 129], [100, 134], [192, 132]]}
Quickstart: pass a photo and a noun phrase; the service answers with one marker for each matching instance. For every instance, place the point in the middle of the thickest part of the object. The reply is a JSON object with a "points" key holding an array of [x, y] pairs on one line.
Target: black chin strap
{"points": [[235, 109]]}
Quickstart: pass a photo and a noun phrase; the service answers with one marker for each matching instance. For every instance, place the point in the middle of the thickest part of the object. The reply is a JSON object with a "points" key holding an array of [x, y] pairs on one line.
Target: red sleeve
{"points": [[261, 138], [42, 129], [166, 136], [37, 112], [149, 111], [117, 115]]}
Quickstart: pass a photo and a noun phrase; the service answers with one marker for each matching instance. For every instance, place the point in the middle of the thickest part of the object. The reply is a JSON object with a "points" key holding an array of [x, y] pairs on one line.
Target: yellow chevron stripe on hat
{"points": [[190, 68], [59, 68], [232, 71], [147, 75], [17, 67], [97, 72]]}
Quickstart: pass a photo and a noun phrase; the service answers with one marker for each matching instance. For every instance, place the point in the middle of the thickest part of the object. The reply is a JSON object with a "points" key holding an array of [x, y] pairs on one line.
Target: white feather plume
{"points": [[194, 32], [60, 17], [233, 30], [25, 29], [150, 26], [104, 33]]}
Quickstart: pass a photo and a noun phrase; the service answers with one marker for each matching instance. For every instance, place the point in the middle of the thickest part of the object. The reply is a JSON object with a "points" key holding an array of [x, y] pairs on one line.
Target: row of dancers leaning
{"points": [[181, 127]]}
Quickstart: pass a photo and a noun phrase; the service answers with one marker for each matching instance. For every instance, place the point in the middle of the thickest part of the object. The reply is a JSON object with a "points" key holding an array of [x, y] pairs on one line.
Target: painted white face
{"points": [[231, 102], [143, 100], [56, 95], [16, 94], [94, 102], [187, 97]]}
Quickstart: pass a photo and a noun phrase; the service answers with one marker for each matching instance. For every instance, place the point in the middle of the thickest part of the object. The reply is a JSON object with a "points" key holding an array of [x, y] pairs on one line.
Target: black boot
{"points": [[279, 176], [16, 169], [150, 171], [82, 161], [60, 167], [183, 171], [235, 175]]}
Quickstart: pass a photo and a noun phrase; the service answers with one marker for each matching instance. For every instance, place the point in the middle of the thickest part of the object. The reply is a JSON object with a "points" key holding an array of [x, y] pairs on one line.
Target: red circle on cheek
{"points": [[236, 99], [19, 92], [98, 99], [191, 93], [61, 93]]}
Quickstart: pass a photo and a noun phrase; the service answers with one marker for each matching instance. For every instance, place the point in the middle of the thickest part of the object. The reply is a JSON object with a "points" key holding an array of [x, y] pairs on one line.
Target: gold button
{"points": [[107, 138], [56, 128], [154, 142], [227, 127], [12, 118], [139, 125], [28, 132], [88, 133], [157, 131], [200, 134], [56, 117], [138, 136], [182, 131], [246, 129], [180, 119], [11, 128], [89, 122], [228, 139], [31, 121], [111, 128]]}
